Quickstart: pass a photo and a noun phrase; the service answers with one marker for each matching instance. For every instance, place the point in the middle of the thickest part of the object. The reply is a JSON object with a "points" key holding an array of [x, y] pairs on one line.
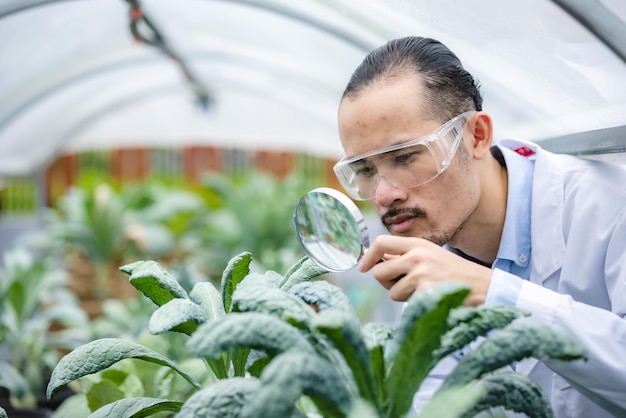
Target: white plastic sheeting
{"points": [[72, 77]]}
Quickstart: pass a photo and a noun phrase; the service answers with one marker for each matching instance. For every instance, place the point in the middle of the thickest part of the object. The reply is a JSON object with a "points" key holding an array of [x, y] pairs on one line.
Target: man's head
{"points": [[449, 89], [401, 93]]}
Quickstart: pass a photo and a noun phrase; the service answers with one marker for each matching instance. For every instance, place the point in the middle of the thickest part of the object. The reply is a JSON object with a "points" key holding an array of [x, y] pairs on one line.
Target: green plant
{"points": [[284, 345], [33, 300]]}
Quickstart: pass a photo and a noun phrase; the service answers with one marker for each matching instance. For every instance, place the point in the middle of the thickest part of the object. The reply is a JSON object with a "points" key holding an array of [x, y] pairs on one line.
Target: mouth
{"points": [[400, 220]]}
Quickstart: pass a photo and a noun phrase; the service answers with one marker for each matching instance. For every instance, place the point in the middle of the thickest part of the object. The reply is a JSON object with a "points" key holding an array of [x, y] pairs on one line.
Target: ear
{"points": [[481, 128]]}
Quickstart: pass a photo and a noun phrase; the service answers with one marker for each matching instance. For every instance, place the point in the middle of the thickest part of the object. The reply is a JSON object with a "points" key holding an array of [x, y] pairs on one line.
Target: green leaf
{"points": [[154, 281], [137, 408], [100, 354], [470, 323], [453, 403], [514, 392], [410, 354], [343, 330], [13, 381], [236, 270], [304, 270], [102, 393], [208, 297], [323, 295], [222, 399], [376, 336], [3, 413], [246, 330], [293, 374], [272, 301], [515, 342], [180, 315]]}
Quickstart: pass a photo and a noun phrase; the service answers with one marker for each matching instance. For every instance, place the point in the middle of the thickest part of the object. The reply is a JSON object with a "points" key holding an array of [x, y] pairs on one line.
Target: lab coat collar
{"points": [[547, 239]]}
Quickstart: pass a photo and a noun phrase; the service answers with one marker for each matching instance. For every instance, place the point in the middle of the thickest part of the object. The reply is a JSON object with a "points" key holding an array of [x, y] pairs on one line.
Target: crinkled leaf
{"points": [[221, 399], [304, 270], [137, 408], [100, 354], [323, 295], [154, 281], [246, 330], [237, 269], [410, 355], [209, 298], [515, 342], [180, 315], [343, 330], [272, 301], [3, 413], [293, 374], [514, 392], [470, 323]]}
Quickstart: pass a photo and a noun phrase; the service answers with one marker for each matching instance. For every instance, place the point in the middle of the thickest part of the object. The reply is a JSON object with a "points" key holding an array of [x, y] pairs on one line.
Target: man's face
{"points": [[391, 112]]}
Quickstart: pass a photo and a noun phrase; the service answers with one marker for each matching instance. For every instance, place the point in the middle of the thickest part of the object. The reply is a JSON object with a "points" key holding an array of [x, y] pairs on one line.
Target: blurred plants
{"points": [[99, 228], [40, 320]]}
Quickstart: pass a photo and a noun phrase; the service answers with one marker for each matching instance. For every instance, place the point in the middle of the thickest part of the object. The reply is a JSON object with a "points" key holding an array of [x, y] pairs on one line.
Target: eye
{"points": [[406, 157], [364, 170]]}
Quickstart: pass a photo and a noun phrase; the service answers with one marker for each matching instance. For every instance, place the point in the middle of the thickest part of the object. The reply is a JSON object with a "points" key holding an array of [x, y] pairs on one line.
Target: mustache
{"points": [[414, 212]]}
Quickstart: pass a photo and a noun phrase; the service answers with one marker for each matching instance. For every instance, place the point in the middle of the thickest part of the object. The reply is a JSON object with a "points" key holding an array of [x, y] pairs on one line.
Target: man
{"points": [[519, 225]]}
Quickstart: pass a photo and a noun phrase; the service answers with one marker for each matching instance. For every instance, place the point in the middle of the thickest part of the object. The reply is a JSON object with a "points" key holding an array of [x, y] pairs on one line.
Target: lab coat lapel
{"points": [[548, 243]]}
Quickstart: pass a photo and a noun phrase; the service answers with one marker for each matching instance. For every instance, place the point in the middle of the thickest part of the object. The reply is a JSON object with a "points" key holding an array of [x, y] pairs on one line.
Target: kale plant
{"points": [[288, 346]]}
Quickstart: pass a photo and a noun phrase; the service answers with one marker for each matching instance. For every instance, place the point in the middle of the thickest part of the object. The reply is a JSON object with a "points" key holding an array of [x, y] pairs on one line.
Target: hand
{"points": [[414, 264]]}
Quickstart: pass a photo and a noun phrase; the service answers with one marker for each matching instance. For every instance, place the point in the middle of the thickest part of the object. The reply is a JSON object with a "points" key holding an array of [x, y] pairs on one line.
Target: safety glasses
{"points": [[405, 165]]}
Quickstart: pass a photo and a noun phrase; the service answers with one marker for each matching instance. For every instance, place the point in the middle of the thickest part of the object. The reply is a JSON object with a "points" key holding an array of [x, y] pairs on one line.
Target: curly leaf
{"points": [[515, 342], [208, 297], [154, 281], [322, 295], [410, 354], [3, 413], [221, 399], [136, 408], [246, 330], [100, 354], [292, 374], [237, 269], [514, 392], [304, 270], [343, 330], [272, 301], [470, 323], [180, 315]]}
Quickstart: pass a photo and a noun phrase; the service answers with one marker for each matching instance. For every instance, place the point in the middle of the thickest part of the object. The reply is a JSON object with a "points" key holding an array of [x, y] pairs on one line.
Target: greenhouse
{"points": [[172, 175]]}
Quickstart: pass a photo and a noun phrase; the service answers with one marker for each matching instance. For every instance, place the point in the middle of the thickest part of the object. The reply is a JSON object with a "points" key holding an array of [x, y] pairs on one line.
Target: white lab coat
{"points": [[577, 283]]}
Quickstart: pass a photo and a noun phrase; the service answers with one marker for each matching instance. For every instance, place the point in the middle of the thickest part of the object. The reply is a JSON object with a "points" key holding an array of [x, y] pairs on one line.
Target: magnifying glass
{"points": [[331, 229]]}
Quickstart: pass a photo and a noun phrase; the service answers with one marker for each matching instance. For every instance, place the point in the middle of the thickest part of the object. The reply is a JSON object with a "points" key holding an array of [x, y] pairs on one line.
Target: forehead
{"points": [[385, 113]]}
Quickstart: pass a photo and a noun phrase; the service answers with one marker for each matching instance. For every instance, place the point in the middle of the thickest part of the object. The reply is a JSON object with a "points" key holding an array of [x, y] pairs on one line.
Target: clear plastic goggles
{"points": [[405, 165]]}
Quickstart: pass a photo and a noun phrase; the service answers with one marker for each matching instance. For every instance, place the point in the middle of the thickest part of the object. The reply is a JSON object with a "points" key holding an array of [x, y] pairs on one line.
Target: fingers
{"points": [[386, 247]]}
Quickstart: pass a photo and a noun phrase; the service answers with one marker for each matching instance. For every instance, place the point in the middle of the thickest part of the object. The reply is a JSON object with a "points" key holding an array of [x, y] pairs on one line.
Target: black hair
{"points": [[450, 89]]}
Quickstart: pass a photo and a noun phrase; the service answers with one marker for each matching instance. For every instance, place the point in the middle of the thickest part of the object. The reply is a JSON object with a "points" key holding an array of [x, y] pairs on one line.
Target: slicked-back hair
{"points": [[450, 89]]}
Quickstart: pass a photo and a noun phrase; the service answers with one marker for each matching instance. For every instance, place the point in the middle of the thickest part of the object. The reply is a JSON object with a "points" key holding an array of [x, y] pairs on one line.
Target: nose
{"points": [[386, 193]]}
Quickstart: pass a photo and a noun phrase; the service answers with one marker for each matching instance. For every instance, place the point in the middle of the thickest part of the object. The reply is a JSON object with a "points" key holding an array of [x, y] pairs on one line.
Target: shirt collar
{"points": [[515, 242]]}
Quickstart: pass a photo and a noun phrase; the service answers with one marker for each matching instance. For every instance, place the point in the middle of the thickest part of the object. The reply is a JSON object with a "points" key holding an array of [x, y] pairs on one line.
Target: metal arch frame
{"points": [[600, 21], [591, 14]]}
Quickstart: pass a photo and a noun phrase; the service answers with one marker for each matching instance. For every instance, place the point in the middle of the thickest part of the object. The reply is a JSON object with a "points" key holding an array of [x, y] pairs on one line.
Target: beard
{"points": [[437, 236]]}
